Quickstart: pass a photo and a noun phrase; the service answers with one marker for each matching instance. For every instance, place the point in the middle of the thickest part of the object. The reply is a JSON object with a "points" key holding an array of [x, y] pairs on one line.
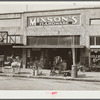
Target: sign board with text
{"points": [[54, 20]]}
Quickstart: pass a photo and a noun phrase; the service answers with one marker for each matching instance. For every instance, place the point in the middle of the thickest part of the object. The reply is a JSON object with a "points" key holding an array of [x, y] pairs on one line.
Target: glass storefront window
{"points": [[95, 58]]}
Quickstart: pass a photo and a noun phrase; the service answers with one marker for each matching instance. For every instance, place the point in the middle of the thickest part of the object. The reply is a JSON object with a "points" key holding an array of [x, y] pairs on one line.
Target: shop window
{"points": [[95, 21], [95, 57]]}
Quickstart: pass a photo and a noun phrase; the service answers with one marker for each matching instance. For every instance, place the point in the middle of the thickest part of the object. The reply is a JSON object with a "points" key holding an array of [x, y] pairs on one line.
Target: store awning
{"points": [[49, 46]]}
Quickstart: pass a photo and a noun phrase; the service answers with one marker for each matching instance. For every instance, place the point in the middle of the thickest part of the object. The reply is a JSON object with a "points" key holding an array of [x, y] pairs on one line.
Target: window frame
{"points": [[93, 19], [58, 39], [95, 40]]}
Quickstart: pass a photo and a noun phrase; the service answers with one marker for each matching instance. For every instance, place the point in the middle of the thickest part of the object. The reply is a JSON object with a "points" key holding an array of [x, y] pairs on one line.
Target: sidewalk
{"points": [[28, 73]]}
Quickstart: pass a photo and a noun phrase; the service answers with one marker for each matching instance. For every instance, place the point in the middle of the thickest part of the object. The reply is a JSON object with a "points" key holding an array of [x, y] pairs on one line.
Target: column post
{"points": [[24, 56], [74, 67]]}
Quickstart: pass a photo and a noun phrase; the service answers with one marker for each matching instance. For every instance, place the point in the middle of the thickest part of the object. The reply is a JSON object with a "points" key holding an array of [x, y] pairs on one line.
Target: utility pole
{"points": [[74, 67]]}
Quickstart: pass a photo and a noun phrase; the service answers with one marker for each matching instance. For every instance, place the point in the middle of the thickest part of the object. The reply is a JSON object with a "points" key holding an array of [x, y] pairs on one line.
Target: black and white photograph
{"points": [[49, 47]]}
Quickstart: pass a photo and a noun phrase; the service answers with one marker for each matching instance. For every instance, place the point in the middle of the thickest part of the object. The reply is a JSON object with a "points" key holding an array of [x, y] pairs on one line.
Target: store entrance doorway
{"points": [[65, 54], [47, 55]]}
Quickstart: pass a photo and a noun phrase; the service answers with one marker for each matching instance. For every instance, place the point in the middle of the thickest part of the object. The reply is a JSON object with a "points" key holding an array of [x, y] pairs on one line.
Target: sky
{"points": [[10, 7]]}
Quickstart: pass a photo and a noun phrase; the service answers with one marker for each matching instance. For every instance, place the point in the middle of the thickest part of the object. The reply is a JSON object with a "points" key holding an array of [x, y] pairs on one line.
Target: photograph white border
{"points": [[47, 94]]}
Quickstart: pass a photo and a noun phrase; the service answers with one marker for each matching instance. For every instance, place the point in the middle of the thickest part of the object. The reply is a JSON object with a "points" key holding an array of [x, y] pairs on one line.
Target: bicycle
{"points": [[93, 68]]}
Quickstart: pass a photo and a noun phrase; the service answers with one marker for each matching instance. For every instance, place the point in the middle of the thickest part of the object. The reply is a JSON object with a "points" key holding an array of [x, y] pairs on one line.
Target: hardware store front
{"points": [[48, 47]]}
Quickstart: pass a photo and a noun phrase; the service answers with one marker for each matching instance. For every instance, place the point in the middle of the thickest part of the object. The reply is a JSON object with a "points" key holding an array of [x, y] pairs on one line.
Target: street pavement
{"points": [[17, 83]]}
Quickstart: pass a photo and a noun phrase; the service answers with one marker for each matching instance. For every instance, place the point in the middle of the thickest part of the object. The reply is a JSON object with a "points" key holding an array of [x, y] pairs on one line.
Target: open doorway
{"points": [[48, 54]]}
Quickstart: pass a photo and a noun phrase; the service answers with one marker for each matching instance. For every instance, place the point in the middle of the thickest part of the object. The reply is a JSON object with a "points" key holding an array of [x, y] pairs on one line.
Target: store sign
{"points": [[54, 20], [95, 56]]}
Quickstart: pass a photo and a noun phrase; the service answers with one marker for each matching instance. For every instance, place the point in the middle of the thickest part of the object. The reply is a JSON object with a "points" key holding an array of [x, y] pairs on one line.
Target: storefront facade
{"points": [[46, 34], [51, 33]]}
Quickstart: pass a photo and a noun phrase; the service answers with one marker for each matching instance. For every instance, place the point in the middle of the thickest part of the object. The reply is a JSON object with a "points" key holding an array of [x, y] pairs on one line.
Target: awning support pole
{"points": [[73, 53], [74, 67]]}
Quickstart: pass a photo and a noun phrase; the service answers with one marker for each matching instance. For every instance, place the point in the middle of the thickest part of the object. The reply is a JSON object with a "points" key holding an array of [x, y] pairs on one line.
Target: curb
{"points": [[55, 78]]}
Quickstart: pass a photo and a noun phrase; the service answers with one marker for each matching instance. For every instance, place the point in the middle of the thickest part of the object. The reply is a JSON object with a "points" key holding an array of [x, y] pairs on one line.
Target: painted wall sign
{"points": [[54, 20]]}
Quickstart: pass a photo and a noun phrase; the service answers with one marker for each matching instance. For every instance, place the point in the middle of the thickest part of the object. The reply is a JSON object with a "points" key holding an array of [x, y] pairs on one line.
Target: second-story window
{"points": [[53, 40], [95, 21], [95, 40]]}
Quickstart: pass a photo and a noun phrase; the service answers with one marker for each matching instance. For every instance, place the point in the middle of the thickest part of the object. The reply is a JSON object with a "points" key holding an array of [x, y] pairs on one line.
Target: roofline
{"points": [[81, 8], [53, 10]]}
